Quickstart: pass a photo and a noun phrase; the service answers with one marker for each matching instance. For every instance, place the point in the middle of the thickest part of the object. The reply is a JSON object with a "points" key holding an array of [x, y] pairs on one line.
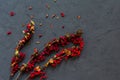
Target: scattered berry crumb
{"points": [[37, 42], [40, 35], [55, 0], [63, 27], [62, 14], [78, 17], [12, 13], [30, 8], [9, 33], [31, 16], [57, 17], [51, 25], [23, 25], [40, 24], [53, 15], [47, 6], [47, 15]]}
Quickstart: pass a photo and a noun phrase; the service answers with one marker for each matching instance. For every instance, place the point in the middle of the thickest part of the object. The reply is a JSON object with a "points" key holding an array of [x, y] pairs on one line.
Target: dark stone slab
{"points": [[100, 20]]}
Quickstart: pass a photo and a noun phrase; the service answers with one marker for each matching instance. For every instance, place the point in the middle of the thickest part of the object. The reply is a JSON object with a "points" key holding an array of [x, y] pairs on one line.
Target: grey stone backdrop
{"points": [[100, 20]]}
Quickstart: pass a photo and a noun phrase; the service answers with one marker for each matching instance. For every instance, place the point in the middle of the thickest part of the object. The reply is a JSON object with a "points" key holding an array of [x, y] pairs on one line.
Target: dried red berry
{"points": [[63, 27], [12, 13], [9, 33], [62, 14], [28, 26], [40, 35]]}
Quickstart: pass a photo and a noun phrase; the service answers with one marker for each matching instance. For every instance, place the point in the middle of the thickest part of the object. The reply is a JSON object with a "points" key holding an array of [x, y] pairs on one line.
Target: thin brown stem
{"points": [[27, 77], [10, 77], [18, 76], [20, 73]]}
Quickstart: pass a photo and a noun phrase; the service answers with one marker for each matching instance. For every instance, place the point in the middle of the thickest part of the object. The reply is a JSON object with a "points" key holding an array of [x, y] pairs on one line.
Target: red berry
{"points": [[12, 13], [9, 32], [40, 35], [62, 14], [28, 26], [63, 27]]}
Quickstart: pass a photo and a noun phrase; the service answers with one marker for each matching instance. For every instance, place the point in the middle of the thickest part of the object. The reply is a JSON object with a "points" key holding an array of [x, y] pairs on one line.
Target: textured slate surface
{"points": [[100, 20]]}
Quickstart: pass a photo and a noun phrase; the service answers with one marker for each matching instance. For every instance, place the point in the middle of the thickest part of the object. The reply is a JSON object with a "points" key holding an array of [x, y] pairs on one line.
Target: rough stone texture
{"points": [[100, 59]]}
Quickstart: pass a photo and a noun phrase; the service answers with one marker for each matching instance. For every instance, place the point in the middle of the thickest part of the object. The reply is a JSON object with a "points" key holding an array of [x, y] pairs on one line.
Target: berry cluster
{"points": [[57, 59], [19, 56], [53, 46]]}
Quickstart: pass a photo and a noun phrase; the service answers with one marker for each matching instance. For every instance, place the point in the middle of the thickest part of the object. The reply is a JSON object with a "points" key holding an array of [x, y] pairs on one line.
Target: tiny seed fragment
{"points": [[40, 24], [31, 16], [55, 1], [63, 27], [30, 8], [78, 17], [9, 33], [47, 15], [12, 13], [37, 42], [40, 35], [57, 17], [23, 25], [48, 6], [54, 15]]}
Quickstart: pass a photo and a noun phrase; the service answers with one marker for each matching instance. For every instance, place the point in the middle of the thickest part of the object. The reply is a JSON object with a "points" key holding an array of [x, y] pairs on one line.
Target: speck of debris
{"points": [[57, 17], [40, 24], [30, 8], [51, 25], [47, 6], [37, 42], [53, 15], [9, 33], [78, 17], [23, 25], [55, 1], [62, 14], [12, 13], [40, 35], [63, 27], [47, 16], [31, 16]]}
